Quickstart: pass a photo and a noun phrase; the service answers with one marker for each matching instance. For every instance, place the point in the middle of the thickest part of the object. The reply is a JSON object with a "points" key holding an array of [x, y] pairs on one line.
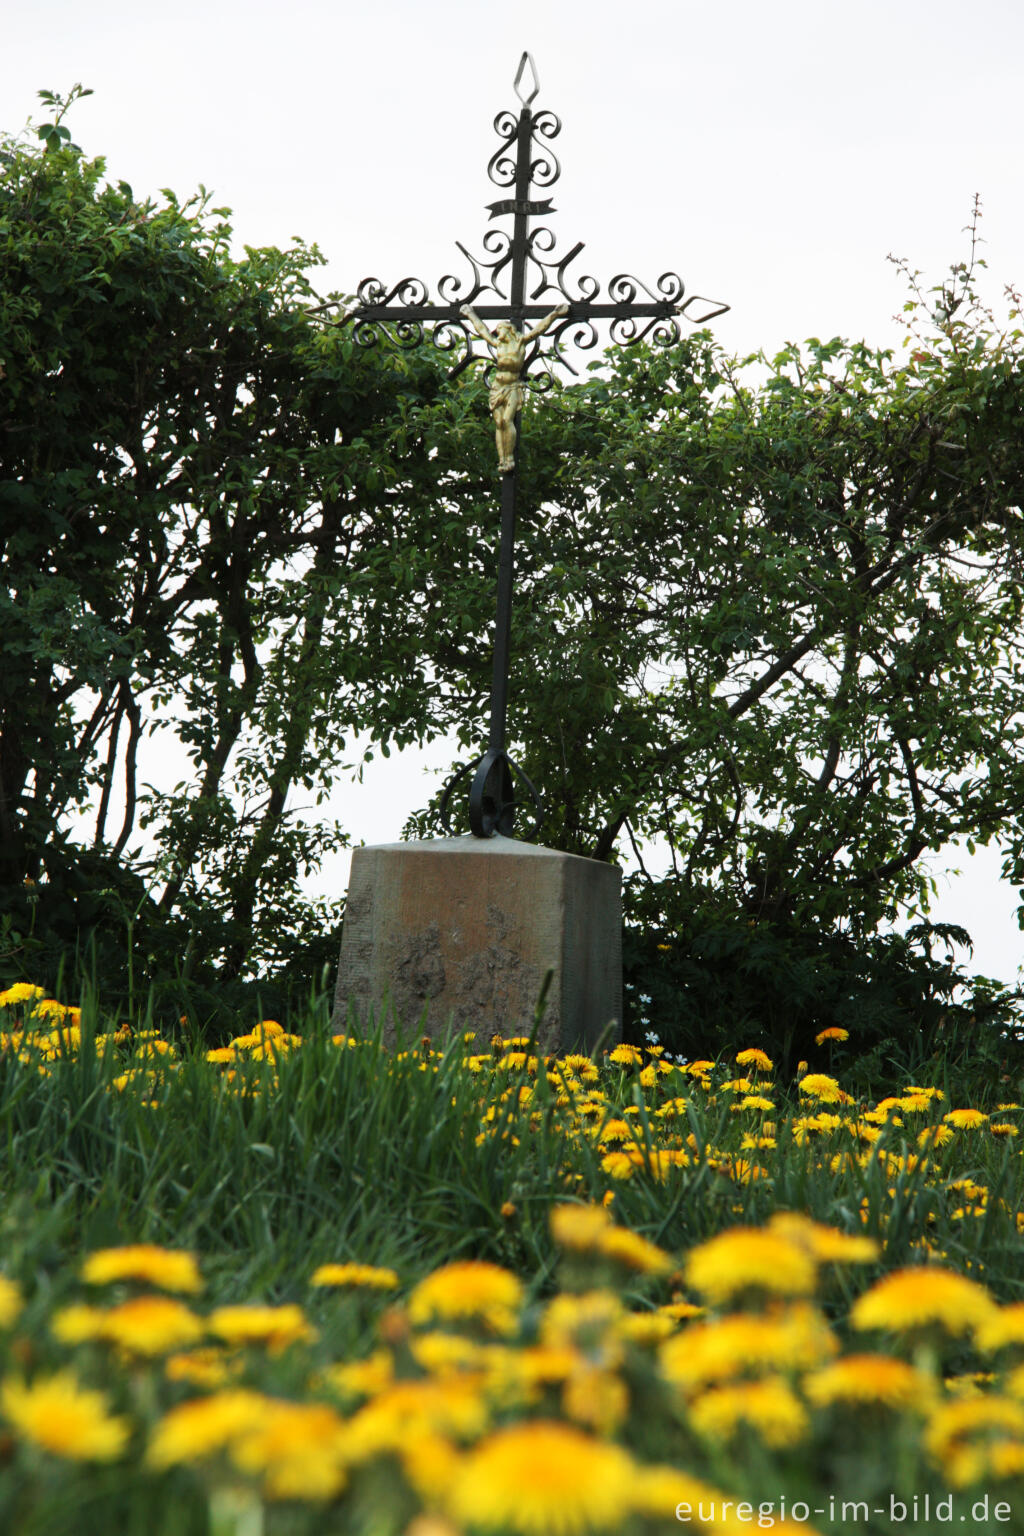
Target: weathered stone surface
{"points": [[465, 929]]}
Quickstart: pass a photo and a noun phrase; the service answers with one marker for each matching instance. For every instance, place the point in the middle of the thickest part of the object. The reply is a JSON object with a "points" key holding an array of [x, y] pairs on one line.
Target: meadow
{"points": [[298, 1284]]}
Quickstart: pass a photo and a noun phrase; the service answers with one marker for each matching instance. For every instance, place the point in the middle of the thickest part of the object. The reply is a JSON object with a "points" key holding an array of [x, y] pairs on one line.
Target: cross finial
{"points": [[526, 62]]}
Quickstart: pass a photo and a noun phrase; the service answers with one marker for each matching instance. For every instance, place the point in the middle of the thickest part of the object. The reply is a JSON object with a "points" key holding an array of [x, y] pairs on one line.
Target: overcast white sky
{"points": [[771, 153]]}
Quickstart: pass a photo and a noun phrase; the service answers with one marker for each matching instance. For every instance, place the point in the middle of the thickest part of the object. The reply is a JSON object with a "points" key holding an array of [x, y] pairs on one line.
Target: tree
{"points": [[196, 537]]}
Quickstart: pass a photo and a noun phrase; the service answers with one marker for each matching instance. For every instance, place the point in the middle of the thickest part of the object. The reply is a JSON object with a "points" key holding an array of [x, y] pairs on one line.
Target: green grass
{"points": [[331, 1153]]}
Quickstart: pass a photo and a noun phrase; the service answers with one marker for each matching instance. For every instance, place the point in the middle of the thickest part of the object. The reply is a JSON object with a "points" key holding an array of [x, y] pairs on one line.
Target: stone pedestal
{"points": [[464, 929]]}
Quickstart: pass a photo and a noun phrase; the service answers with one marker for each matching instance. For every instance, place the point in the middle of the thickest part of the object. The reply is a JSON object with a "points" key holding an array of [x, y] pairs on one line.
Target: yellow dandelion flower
{"points": [[430, 1463], [450, 1405], [741, 1169], [466, 1290], [834, 1033], [1005, 1458], [737, 1085], [595, 1398], [356, 1275], [151, 1325], [805, 1126], [156, 1048], [1005, 1326], [965, 1119], [683, 1310], [10, 1302], [269, 1048], [543, 1479], [633, 1251], [750, 1258], [914, 1103], [297, 1448], [759, 1060], [971, 1191], [870, 1380], [276, 1327], [21, 992], [59, 1042], [514, 1061], [359, 1378], [921, 1297], [626, 1056], [660, 1493], [202, 1426], [618, 1165], [1003, 1128], [817, 1085], [514, 1375], [589, 1322], [971, 1385], [169, 1269], [826, 1244], [647, 1328], [208, 1367], [66, 1419], [445, 1354], [578, 1226], [659, 1162], [934, 1136], [755, 1101], [77, 1324], [50, 1008], [956, 1433], [708, 1353], [769, 1408], [615, 1130]]}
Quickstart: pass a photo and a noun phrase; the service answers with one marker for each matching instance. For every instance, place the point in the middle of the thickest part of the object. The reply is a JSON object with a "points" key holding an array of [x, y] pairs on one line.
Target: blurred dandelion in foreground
{"points": [[543, 1477], [470, 1290], [923, 1297], [64, 1418], [749, 1258], [170, 1269]]}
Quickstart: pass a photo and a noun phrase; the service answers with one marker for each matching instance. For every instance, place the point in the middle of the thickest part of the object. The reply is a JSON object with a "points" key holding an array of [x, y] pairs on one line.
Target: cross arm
{"points": [[584, 309]]}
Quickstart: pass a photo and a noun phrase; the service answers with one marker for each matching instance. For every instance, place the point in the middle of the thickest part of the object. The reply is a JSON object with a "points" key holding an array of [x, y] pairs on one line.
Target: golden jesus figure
{"points": [[506, 394]]}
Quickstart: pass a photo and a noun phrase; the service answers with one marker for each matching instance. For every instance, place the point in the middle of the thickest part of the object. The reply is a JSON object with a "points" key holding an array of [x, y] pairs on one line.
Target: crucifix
{"points": [[512, 280]]}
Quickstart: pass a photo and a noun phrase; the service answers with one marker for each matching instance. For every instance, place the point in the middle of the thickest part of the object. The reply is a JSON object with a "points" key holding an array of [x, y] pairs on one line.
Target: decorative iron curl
{"points": [[501, 168], [408, 290], [625, 331], [545, 169], [547, 123], [578, 333], [449, 335], [492, 797], [401, 333], [623, 289], [553, 273]]}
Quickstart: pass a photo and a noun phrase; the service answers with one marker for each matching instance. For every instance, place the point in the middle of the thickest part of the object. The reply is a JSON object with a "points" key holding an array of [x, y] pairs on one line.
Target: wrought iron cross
{"points": [[518, 276]]}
